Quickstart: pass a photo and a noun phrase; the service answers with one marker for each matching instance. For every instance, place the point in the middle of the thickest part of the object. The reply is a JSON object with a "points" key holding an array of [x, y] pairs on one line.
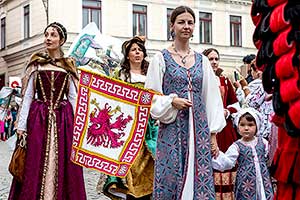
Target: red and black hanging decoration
{"points": [[277, 38]]}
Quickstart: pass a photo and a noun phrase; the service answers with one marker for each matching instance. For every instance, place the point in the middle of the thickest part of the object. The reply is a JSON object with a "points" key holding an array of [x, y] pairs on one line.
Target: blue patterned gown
{"points": [[183, 168], [253, 180], [246, 186]]}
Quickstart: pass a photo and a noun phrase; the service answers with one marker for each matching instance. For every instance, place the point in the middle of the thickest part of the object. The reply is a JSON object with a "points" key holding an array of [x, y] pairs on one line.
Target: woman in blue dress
{"points": [[189, 114]]}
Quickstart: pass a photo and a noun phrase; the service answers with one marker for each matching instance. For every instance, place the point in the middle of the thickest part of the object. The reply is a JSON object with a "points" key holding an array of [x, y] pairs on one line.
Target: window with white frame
{"points": [[169, 12], [235, 31], [139, 20], [205, 21], [91, 12], [3, 33], [26, 22]]}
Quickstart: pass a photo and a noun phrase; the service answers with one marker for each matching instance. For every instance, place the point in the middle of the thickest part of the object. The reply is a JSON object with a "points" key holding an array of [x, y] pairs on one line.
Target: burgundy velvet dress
{"points": [[50, 131]]}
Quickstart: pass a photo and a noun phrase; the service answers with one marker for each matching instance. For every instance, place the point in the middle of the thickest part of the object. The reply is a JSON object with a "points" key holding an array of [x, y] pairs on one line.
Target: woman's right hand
{"points": [[181, 103], [20, 133], [214, 146]]}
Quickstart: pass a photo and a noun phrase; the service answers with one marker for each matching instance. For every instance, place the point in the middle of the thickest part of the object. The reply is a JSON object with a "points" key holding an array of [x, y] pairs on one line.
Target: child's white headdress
{"points": [[252, 112]]}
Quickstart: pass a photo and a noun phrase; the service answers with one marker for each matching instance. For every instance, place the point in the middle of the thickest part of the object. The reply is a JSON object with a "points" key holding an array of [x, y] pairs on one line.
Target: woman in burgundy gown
{"points": [[49, 92]]}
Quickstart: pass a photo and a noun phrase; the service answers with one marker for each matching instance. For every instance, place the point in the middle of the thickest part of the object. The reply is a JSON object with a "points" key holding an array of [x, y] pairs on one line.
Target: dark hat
{"points": [[249, 58], [140, 40]]}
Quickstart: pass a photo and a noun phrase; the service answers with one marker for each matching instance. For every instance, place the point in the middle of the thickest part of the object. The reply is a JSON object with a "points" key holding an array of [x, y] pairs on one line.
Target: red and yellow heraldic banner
{"points": [[110, 123]]}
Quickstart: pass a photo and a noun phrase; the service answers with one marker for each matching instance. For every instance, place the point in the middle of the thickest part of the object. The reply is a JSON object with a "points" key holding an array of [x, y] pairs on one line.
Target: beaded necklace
{"points": [[183, 58]]}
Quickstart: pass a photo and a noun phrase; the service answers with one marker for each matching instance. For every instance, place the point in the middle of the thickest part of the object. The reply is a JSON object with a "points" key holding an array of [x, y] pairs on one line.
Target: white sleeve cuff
{"points": [[162, 108]]}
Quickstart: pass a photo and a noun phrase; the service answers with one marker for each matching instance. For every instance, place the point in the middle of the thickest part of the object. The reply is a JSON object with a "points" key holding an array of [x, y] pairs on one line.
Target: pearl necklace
{"points": [[183, 58]]}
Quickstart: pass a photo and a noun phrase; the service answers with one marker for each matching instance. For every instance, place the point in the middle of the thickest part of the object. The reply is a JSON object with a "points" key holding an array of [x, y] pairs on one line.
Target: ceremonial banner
{"points": [[110, 123]]}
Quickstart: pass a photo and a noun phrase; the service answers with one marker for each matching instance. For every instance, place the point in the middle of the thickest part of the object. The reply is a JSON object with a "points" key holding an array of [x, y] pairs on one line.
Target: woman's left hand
{"points": [[181, 103], [226, 113]]}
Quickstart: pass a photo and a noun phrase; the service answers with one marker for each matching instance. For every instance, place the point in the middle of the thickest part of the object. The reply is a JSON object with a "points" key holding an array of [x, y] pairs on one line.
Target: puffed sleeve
{"points": [[27, 100], [155, 73], [226, 160], [212, 99], [161, 107]]}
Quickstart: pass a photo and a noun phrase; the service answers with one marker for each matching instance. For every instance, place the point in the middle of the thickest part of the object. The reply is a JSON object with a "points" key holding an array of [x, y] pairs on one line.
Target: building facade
{"points": [[222, 24]]}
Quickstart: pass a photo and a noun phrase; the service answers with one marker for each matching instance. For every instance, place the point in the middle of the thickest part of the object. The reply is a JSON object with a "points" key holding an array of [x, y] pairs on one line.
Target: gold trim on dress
{"points": [[49, 183]]}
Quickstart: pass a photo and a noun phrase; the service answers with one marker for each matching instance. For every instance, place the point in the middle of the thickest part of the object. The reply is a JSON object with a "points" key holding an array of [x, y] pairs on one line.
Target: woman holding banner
{"points": [[189, 115], [138, 183], [46, 117]]}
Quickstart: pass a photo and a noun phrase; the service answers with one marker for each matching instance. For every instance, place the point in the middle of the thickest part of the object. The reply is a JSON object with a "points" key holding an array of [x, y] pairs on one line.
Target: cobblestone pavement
{"points": [[90, 176]]}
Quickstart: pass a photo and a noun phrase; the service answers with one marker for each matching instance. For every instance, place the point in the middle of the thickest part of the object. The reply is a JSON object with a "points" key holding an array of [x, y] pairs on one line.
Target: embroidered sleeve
{"points": [[240, 95], [256, 97]]}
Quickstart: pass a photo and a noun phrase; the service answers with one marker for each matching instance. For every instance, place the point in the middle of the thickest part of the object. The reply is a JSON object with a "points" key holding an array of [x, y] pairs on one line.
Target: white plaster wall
{"points": [[66, 12], [117, 21], [37, 17], [119, 24]]}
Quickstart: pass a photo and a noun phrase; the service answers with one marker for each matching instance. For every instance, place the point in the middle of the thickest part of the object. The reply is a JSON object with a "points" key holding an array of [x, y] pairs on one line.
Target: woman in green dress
{"points": [[138, 184]]}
